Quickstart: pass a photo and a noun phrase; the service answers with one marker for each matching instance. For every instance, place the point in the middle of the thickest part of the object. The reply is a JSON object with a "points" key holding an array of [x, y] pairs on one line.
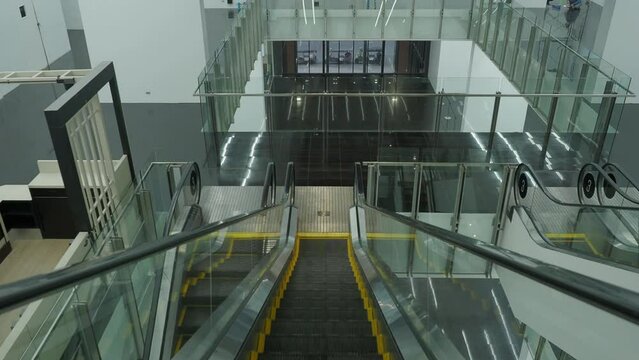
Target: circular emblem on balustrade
{"points": [[193, 182], [588, 185], [522, 186], [608, 188]]}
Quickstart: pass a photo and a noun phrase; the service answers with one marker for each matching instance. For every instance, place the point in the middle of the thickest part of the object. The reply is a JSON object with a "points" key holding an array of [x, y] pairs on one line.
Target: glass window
{"points": [[389, 57], [374, 53], [333, 56], [346, 57], [316, 57], [359, 57], [303, 57]]}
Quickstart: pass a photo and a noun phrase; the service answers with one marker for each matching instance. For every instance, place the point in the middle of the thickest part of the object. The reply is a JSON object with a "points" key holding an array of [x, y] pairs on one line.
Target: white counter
{"points": [[14, 193]]}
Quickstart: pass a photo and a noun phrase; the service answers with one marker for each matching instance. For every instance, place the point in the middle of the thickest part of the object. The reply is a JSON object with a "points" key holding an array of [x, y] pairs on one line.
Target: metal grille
{"points": [[92, 155], [323, 209]]}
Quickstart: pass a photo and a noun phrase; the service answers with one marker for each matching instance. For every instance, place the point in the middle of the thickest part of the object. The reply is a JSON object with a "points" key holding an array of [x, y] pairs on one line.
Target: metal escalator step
{"points": [[322, 328], [301, 286], [232, 264], [321, 345], [309, 302], [322, 313], [210, 291], [194, 318], [320, 293], [299, 356]]}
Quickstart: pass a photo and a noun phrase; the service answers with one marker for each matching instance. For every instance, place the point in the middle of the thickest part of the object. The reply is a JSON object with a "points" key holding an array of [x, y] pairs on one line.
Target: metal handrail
{"points": [[35, 287], [269, 184], [524, 167], [601, 174], [192, 166], [611, 298], [623, 173]]}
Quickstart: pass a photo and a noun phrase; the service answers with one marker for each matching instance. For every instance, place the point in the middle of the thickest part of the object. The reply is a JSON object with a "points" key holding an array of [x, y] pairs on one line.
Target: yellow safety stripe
{"points": [[322, 236], [368, 302], [573, 237], [275, 304]]}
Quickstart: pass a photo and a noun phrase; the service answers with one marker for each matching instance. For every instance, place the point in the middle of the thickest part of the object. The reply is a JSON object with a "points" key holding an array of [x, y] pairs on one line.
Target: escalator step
{"points": [[321, 313], [194, 318], [300, 356], [309, 302], [210, 291], [321, 328], [320, 293], [321, 345], [302, 286]]}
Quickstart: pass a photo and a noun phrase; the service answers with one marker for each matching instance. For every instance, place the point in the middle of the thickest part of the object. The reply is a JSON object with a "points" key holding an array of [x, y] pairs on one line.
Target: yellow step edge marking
{"points": [[252, 235], [323, 236], [565, 235], [182, 316], [261, 340], [178, 344], [272, 311], [197, 245], [367, 302], [573, 237]]}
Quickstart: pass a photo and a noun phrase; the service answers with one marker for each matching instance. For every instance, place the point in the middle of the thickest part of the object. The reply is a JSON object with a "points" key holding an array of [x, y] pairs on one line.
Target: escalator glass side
{"points": [[592, 231], [213, 267], [464, 306], [112, 314]]}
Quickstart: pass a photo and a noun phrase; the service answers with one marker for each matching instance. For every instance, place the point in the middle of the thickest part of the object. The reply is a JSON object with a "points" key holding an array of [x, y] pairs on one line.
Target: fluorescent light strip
{"points": [[313, 12], [380, 12], [470, 355], [304, 7], [391, 13]]}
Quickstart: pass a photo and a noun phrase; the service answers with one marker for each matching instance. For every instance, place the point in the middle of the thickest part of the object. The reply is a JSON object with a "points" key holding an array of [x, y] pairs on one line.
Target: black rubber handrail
{"points": [[270, 183], [36, 287], [611, 298], [623, 173], [525, 168], [186, 179], [601, 174]]}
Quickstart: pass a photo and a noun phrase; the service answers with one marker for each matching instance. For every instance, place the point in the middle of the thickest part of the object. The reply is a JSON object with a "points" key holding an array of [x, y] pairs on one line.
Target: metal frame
{"points": [[61, 111], [66, 77]]}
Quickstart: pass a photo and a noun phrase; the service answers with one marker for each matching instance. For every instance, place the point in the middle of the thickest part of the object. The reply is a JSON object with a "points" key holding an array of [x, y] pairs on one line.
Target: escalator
{"points": [[321, 314], [578, 219], [255, 287]]}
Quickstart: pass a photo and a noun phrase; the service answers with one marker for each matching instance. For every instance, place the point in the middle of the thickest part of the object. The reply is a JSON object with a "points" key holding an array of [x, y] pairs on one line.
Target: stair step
{"points": [[322, 328], [351, 293], [322, 313], [205, 290], [300, 356], [321, 345], [308, 302], [195, 317]]}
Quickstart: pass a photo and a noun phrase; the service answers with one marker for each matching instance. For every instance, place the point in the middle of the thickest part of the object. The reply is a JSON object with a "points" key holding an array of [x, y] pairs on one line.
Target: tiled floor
{"points": [[31, 255]]}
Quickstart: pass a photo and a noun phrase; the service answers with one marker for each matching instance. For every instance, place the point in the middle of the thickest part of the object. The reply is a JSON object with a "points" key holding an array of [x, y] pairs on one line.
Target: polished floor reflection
{"points": [[326, 158]]}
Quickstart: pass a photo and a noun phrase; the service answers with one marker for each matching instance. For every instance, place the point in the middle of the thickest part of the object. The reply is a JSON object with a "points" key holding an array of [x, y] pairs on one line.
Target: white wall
{"points": [[72, 15], [530, 3], [220, 4], [157, 46], [461, 66], [251, 114], [582, 330], [20, 40], [621, 48], [516, 238]]}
